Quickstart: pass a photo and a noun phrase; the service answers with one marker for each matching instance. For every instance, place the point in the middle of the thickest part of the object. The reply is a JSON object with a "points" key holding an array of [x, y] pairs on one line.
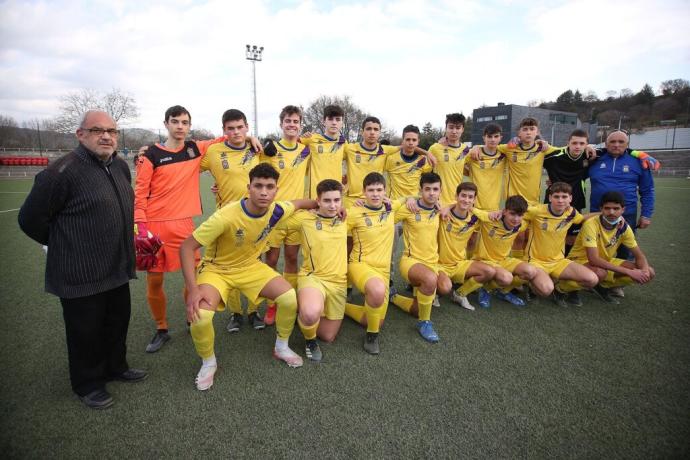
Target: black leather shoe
{"points": [[97, 399], [131, 375]]}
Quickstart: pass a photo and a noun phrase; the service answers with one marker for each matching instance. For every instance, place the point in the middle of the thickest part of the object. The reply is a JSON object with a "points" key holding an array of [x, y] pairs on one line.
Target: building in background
{"points": [[555, 125]]}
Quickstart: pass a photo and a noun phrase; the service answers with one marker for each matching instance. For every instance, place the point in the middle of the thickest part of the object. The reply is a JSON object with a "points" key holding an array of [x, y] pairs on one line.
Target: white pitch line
{"points": [[22, 193], [9, 210]]}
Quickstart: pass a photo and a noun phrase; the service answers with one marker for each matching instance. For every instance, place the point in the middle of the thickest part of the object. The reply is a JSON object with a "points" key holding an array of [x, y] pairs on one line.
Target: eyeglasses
{"points": [[100, 131]]}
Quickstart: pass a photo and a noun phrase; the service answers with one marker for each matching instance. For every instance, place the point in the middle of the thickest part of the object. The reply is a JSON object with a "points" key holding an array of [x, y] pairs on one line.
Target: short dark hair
{"points": [[492, 128], [613, 196], [371, 120], [560, 187], [466, 186], [263, 171], [456, 119], [410, 129], [517, 204], [290, 110], [528, 121], [176, 111], [579, 133], [429, 178], [373, 178], [233, 115], [328, 185], [333, 111]]}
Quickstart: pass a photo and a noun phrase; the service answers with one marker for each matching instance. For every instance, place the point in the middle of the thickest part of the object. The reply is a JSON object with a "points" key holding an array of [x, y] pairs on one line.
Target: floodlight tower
{"points": [[253, 54]]}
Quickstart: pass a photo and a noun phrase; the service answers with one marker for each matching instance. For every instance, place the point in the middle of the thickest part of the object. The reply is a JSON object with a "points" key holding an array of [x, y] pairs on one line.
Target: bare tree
{"points": [[354, 116], [119, 105]]}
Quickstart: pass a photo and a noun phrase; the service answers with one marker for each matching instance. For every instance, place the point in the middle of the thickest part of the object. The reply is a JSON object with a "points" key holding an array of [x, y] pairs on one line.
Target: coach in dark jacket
{"points": [[82, 208]]}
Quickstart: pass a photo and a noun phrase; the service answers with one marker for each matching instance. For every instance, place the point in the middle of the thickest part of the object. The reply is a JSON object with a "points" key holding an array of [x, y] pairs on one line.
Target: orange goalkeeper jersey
{"points": [[167, 183]]}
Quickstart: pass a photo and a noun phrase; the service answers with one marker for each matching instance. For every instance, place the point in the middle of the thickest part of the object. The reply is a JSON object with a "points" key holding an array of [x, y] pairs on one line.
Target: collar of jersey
{"points": [[567, 152], [228, 145], [369, 150], [373, 209], [526, 150], [548, 206], [246, 211], [455, 146], [452, 211], [329, 138], [419, 203], [326, 217], [409, 159], [288, 149], [489, 154], [512, 229]]}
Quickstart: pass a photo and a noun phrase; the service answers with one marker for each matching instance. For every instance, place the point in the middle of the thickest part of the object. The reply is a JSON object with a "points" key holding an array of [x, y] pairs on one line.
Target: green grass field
{"points": [[597, 381]]}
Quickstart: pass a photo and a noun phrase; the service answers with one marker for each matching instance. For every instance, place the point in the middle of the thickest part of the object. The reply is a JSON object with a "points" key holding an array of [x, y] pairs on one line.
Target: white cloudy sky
{"points": [[406, 61]]}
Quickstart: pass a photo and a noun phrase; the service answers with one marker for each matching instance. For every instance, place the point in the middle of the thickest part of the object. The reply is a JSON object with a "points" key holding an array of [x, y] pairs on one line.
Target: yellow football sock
{"points": [[517, 253], [612, 280], [234, 301], [286, 313], [356, 312], [309, 332], [291, 278], [469, 287], [404, 303], [373, 317], [424, 304], [568, 286], [203, 334], [252, 307]]}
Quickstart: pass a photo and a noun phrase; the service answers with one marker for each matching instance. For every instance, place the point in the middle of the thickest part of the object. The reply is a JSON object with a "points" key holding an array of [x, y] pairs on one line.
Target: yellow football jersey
{"points": [[326, 159], [487, 174], [420, 233], [454, 234], [594, 235], [525, 170], [291, 161], [324, 245], [547, 232], [361, 161], [372, 234], [495, 240], [404, 173], [235, 238], [230, 168], [450, 164]]}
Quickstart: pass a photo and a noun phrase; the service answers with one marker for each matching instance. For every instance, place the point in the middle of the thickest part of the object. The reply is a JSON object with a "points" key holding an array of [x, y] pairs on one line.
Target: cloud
{"points": [[407, 61]]}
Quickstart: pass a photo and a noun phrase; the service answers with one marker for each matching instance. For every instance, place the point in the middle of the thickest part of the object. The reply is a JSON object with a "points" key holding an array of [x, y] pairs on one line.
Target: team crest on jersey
{"points": [[358, 158], [446, 157], [626, 168], [417, 217], [319, 148], [545, 226], [224, 163], [281, 164], [190, 152], [367, 220], [514, 157], [492, 232], [585, 163], [318, 224], [449, 227], [602, 166], [482, 165], [239, 237]]}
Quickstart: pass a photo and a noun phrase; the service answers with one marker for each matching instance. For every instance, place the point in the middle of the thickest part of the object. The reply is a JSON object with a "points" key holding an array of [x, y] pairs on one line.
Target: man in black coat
{"points": [[82, 208]]}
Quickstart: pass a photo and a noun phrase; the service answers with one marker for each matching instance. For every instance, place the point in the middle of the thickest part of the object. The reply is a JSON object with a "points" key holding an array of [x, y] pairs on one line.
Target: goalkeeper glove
{"points": [[648, 161]]}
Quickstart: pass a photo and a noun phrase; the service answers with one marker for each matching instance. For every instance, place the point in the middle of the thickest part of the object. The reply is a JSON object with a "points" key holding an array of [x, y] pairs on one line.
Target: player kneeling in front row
{"points": [[461, 221], [419, 261], [493, 248], [548, 229], [235, 236], [372, 227], [322, 280], [596, 247]]}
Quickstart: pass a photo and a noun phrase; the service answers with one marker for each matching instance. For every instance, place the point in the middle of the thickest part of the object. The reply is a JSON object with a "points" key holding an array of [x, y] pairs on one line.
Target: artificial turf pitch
{"points": [[590, 382]]}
